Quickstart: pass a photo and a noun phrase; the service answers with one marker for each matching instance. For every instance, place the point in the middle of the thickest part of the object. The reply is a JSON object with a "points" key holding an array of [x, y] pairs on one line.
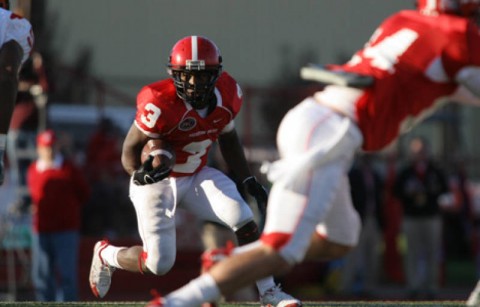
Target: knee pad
{"points": [[248, 233]]}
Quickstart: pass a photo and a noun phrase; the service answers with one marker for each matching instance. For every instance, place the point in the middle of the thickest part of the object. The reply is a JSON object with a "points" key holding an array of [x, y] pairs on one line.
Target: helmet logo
{"points": [[187, 124], [195, 64]]}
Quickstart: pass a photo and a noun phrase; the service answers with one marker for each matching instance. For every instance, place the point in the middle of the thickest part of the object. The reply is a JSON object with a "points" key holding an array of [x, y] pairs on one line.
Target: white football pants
{"points": [[209, 194], [311, 191]]}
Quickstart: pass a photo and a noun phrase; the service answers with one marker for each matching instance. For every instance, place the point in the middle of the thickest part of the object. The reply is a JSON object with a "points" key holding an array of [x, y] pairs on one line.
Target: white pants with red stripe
{"points": [[311, 192], [209, 194]]}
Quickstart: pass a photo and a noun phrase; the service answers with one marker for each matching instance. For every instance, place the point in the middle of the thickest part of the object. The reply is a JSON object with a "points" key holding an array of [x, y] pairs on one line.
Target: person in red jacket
{"points": [[58, 190]]}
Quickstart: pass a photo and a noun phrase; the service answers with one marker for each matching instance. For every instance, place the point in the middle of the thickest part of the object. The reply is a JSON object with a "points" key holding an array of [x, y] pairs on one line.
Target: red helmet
{"points": [[467, 8], [195, 64], [5, 4]]}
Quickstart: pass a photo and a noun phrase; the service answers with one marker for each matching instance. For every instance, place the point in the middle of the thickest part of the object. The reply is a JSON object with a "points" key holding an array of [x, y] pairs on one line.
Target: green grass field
{"points": [[306, 304]]}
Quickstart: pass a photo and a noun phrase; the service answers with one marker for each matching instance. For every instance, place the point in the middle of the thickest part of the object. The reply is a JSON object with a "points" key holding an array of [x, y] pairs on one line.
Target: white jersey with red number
{"points": [[162, 114], [414, 59], [17, 28]]}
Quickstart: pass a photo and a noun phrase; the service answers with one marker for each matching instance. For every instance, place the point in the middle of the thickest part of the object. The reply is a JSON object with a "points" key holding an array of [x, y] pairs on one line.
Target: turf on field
{"points": [[307, 304]]}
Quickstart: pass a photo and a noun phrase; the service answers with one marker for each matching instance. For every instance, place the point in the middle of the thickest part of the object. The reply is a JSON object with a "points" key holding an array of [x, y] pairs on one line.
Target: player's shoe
{"points": [[474, 298], [100, 272], [275, 297], [157, 300]]}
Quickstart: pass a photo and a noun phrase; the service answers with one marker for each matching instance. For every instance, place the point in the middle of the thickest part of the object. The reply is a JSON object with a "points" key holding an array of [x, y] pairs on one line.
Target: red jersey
{"points": [[58, 195], [414, 59], [162, 114]]}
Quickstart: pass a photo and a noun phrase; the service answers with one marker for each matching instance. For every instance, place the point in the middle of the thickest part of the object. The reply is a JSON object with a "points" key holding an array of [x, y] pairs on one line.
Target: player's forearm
{"points": [[129, 161], [131, 149]]}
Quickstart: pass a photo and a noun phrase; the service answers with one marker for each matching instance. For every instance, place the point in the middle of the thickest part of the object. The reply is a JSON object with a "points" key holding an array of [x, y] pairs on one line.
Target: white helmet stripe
{"points": [[194, 48]]}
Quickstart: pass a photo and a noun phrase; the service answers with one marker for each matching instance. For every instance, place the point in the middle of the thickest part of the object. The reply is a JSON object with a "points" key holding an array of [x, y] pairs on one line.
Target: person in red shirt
{"points": [[58, 190], [191, 110], [414, 59], [108, 180]]}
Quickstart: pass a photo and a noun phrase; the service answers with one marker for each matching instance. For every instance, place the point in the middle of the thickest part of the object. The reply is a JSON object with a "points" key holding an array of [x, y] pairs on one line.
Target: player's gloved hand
{"points": [[254, 188], [147, 174]]}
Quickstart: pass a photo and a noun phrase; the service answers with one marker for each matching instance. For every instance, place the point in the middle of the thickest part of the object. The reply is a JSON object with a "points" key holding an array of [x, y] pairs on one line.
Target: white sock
{"points": [[3, 142], [109, 255], [263, 284], [202, 289]]}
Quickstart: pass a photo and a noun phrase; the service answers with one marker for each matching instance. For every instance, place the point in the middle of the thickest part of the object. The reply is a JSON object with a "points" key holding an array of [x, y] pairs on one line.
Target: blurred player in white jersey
{"points": [[413, 60], [16, 41], [191, 110]]}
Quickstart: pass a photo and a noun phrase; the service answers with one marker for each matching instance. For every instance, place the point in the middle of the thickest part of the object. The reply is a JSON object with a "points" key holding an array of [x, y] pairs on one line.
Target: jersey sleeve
{"points": [[229, 127], [147, 118], [234, 94], [19, 29], [237, 99]]}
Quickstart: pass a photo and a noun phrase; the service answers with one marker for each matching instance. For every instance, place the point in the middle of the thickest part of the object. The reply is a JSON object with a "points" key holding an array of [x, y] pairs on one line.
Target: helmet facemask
{"points": [[195, 86]]}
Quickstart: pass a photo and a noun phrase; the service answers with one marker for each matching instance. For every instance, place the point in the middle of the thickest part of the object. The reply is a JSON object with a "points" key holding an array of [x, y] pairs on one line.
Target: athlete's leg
{"points": [[155, 209], [214, 197]]}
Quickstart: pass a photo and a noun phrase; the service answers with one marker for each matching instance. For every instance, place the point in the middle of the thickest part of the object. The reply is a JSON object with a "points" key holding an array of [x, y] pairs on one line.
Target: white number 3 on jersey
{"points": [[150, 115]]}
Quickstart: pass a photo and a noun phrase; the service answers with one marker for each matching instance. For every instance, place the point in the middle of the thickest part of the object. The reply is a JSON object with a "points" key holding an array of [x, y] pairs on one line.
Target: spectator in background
{"points": [[109, 211], [58, 189], [25, 116], [392, 258], [458, 218], [33, 86], [25, 123], [360, 274], [420, 185], [103, 152]]}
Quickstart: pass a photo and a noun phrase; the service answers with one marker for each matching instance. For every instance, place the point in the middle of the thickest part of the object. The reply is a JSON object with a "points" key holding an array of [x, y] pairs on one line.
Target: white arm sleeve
{"points": [[469, 77]]}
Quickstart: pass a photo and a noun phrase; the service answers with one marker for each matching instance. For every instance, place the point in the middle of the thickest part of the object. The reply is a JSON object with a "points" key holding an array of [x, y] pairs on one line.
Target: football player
{"points": [[16, 41], [191, 110], [414, 59]]}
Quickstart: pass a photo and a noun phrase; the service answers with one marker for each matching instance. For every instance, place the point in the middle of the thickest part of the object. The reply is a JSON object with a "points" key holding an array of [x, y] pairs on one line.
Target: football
{"points": [[161, 150]]}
